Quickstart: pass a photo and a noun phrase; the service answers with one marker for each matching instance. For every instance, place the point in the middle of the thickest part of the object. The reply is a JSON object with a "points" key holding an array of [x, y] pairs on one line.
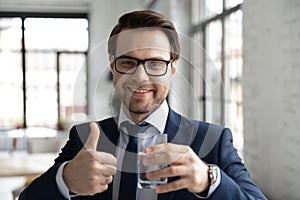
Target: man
{"points": [[201, 160]]}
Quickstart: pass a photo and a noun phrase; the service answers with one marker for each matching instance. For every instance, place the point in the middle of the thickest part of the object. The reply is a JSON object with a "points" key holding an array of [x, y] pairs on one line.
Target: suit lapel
{"points": [[172, 125], [108, 142], [109, 136]]}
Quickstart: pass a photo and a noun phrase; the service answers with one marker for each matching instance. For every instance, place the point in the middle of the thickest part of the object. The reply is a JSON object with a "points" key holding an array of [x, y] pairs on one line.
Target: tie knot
{"points": [[132, 144], [133, 129]]}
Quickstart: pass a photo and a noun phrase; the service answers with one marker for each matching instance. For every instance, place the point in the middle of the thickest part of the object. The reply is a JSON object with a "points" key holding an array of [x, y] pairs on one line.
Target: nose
{"points": [[140, 74]]}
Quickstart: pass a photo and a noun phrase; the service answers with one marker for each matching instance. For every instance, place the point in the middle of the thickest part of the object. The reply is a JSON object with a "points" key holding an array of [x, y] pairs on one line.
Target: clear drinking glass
{"points": [[144, 141]]}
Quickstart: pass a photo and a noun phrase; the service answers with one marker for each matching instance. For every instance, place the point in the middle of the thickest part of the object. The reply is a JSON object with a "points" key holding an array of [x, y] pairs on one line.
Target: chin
{"points": [[143, 109], [139, 110]]}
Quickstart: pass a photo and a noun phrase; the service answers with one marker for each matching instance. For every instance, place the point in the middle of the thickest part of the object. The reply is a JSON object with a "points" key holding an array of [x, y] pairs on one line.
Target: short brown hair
{"points": [[145, 19]]}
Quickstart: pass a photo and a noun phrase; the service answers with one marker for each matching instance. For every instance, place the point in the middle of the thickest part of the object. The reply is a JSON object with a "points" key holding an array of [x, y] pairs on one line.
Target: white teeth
{"points": [[141, 91]]}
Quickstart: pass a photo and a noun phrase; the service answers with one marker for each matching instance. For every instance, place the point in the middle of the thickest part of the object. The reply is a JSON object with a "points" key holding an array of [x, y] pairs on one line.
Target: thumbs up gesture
{"points": [[90, 171]]}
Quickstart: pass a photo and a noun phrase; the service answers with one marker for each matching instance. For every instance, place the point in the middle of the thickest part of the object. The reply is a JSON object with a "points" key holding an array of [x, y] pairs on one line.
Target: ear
{"points": [[174, 67], [111, 63]]}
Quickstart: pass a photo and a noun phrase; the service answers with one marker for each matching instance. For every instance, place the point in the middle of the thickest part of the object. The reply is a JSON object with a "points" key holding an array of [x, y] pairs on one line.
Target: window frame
{"points": [[23, 16], [229, 94], [201, 28]]}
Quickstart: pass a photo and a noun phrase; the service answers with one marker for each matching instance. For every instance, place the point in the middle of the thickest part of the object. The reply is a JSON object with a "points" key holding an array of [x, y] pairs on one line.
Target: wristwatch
{"points": [[212, 173]]}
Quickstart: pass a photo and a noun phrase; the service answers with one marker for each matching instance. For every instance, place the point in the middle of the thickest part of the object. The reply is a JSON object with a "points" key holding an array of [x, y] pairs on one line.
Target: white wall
{"points": [[272, 95]]}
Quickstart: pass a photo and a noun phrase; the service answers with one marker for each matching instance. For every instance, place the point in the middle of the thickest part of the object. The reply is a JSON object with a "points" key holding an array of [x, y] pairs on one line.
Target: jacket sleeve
{"points": [[45, 187], [235, 179]]}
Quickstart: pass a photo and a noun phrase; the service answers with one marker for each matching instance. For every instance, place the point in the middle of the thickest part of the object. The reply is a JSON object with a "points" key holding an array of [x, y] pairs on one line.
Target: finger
{"points": [[92, 141], [108, 170], [168, 158], [172, 186], [105, 158], [167, 147], [106, 180], [170, 171], [96, 187], [109, 179], [99, 171]]}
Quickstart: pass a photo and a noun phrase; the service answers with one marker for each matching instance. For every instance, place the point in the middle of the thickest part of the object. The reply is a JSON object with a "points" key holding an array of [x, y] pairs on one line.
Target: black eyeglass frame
{"points": [[139, 61]]}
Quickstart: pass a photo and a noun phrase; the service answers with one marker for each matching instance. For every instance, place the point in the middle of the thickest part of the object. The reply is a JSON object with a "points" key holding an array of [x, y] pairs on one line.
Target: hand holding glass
{"points": [[144, 141]]}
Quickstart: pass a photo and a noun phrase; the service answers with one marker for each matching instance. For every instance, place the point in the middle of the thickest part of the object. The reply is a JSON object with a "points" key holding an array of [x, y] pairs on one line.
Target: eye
{"points": [[126, 62], [155, 64]]}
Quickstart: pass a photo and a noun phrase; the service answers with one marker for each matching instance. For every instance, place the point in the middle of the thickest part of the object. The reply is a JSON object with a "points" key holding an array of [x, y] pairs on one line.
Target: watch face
{"points": [[212, 172]]}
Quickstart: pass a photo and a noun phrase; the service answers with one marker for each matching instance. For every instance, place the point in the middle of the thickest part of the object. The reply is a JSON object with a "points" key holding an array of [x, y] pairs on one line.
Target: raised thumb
{"points": [[92, 141]]}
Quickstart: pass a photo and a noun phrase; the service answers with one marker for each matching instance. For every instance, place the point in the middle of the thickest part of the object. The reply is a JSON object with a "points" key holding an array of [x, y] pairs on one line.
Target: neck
{"points": [[137, 117]]}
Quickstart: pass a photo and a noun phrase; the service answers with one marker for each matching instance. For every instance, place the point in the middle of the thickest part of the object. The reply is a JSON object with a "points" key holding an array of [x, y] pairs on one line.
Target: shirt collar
{"points": [[158, 118]]}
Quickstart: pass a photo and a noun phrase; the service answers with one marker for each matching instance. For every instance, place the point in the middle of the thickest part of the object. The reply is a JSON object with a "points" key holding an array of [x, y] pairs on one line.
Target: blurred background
{"points": [[239, 67]]}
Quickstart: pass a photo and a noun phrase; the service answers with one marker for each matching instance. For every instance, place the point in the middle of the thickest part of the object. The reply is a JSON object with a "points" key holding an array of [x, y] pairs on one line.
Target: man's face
{"points": [[139, 92]]}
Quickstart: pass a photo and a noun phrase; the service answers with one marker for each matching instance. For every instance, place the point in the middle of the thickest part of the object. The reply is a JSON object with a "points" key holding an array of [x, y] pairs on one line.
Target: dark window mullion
{"points": [[58, 86], [23, 50], [204, 73], [223, 67], [204, 23], [87, 82]]}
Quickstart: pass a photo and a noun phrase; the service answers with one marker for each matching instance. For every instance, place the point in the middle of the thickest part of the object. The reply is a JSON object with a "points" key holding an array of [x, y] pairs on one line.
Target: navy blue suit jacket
{"points": [[212, 143]]}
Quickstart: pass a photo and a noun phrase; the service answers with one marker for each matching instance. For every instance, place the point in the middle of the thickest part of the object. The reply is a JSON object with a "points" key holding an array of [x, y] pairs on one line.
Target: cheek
{"points": [[118, 80], [164, 82], [118, 85], [162, 88]]}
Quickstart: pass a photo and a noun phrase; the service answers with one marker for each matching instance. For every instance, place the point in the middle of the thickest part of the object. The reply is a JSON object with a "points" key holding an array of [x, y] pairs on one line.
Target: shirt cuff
{"points": [[213, 187], [62, 187]]}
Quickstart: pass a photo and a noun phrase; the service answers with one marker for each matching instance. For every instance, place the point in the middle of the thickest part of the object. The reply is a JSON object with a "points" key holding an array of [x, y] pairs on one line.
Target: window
{"points": [[42, 60], [11, 77], [218, 28]]}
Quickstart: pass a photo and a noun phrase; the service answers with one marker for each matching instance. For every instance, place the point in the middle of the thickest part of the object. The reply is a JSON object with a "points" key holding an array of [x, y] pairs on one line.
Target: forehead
{"points": [[145, 39]]}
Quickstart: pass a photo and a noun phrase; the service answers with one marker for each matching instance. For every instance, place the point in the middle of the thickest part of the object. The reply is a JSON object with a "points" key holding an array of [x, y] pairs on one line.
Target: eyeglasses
{"points": [[153, 67]]}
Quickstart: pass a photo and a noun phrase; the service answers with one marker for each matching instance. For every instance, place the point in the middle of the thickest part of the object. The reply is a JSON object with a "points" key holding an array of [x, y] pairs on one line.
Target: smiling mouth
{"points": [[141, 91]]}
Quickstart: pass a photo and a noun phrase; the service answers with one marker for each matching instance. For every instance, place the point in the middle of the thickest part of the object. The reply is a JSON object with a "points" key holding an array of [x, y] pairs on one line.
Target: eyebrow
{"points": [[154, 58]]}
